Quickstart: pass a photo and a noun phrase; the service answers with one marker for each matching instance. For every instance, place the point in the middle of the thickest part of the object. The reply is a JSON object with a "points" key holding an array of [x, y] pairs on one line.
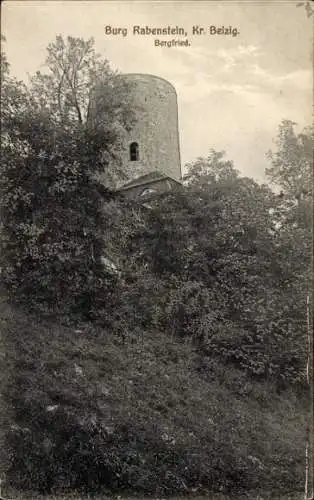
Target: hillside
{"points": [[146, 415]]}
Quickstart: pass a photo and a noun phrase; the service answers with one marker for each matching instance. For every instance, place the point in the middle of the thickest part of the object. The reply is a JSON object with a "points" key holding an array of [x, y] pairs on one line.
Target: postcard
{"points": [[156, 242]]}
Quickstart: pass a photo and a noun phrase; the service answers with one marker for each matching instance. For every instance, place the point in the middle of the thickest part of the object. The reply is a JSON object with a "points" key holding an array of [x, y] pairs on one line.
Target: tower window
{"points": [[134, 151]]}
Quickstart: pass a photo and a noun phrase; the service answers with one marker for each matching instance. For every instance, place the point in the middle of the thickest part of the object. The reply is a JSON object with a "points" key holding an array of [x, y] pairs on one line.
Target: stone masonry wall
{"points": [[156, 129]]}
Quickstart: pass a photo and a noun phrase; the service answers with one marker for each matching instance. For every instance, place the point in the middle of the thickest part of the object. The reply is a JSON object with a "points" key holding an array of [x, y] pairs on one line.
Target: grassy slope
{"points": [[147, 415]]}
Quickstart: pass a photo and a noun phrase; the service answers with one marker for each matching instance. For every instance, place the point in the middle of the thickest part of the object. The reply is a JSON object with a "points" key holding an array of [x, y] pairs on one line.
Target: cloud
{"points": [[300, 79], [235, 70], [231, 58]]}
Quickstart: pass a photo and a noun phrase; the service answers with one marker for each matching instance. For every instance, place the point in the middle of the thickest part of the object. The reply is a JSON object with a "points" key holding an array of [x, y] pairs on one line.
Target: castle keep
{"points": [[151, 151]]}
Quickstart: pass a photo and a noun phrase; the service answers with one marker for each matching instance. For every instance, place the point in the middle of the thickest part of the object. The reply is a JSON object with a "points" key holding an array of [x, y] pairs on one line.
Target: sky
{"points": [[233, 91]]}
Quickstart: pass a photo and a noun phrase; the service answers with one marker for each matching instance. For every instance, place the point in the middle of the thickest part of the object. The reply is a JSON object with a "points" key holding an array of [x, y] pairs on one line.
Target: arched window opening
{"points": [[134, 152]]}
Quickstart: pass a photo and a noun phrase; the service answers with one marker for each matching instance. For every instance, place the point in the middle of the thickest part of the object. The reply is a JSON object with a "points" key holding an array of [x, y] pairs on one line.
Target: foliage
{"points": [[291, 165], [75, 73], [308, 8], [4, 61], [221, 272], [215, 168], [53, 198]]}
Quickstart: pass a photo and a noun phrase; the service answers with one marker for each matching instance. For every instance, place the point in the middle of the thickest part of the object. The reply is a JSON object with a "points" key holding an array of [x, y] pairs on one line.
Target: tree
{"points": [[292, 170], [292, 163], [220, 273], [53, 157], [308, 8], [4, 61], [75, 74], [80, 89], [214, 168]]}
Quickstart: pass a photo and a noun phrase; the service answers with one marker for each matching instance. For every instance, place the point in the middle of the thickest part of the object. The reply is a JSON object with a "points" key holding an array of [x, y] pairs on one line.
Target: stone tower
{"points": [[151, 151], [151, 157], [156, 130]]}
